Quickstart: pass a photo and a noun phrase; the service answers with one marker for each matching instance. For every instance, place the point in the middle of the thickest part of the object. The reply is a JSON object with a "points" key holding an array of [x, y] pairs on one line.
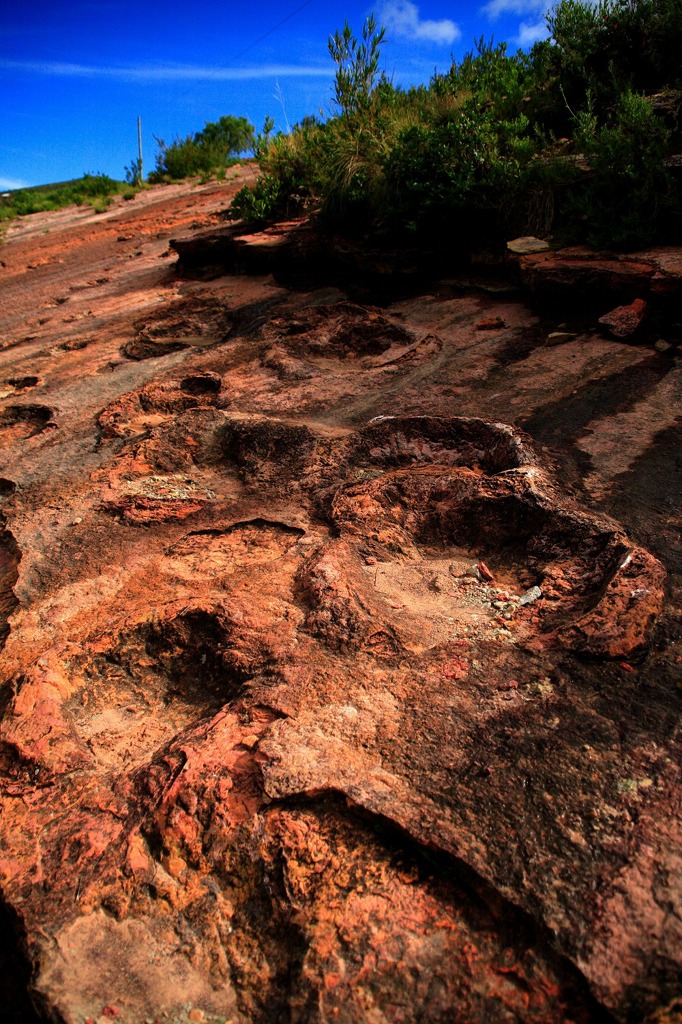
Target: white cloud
{"points": [[402, 18], [530, 32], [170, 72], [7, 184], [494, 8]]}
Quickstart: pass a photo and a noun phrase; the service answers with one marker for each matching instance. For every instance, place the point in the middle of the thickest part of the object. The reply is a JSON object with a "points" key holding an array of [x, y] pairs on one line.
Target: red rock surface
{"points": [[624, 321], [584, 272], [274, 746]]}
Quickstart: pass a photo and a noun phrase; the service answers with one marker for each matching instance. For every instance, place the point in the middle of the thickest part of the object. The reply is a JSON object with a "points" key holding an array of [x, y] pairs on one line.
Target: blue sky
{"points": [[74, 76]]}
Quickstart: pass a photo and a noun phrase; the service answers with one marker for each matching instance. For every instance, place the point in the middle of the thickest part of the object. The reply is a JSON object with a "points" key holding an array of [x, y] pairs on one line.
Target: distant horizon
{"points": [[75, 78]]}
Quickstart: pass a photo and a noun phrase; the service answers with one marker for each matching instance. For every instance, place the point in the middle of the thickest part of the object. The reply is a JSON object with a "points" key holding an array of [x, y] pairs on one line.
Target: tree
{"points": [[230, 134], [357, 66]]}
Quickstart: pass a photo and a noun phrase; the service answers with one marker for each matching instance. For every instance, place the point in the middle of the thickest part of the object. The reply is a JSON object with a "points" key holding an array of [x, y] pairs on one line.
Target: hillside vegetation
{"points": [[96, 190], [206, 153], [576, 138]]}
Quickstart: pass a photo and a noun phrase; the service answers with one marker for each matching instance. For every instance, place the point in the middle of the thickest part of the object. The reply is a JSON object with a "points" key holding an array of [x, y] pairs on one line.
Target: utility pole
{"points": [[139, 149]]}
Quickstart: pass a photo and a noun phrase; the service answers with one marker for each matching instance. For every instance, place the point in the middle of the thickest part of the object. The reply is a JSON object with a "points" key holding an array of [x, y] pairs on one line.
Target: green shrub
{"points": [[498, 143], [470, 177], [208, 152], [133, 171], [492, 80], [334, 162], [260, 202], [628, 186], [291, 166], [616, 45]]}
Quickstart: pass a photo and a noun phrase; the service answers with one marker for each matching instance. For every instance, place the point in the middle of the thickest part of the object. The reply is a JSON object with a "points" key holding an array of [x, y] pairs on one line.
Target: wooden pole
{"points": [[139, 149]]}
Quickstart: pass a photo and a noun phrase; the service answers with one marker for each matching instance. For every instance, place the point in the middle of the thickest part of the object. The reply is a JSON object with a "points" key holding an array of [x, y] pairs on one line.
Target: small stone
{"points": [[662, 345], [492, 323], [559, 337], [527, 244], [174, 865], [457, 669], [250, 741], [530, 596], [473, 571], [485, 572], [196, 1015]]}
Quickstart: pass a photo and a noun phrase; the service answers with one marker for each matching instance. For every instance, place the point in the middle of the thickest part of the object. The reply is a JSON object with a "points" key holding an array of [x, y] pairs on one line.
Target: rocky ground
{"points": [[340, 608]]}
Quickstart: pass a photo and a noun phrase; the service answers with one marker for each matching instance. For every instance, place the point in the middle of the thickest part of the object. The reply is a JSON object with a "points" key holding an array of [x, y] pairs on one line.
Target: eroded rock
{"points": [[282, 735], [19, 422], [578, 272], [325, 671], [10, 556], [187, 322], [624, 321]]}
